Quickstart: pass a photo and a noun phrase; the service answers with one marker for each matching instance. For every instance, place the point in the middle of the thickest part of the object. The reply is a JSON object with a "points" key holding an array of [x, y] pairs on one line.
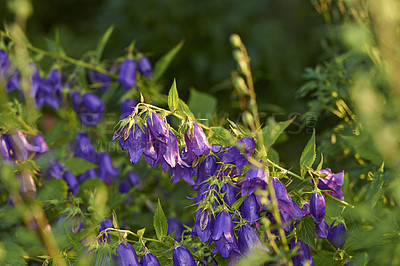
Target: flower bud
{"points": [[127, 74], [182, 257], [145, 66], [317, 207], [248, 239], [235, 40], [126, 255], [337, 235]]}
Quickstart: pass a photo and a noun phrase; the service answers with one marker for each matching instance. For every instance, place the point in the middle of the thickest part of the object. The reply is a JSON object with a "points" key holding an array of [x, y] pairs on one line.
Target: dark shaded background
{"points": [[282, 37]]}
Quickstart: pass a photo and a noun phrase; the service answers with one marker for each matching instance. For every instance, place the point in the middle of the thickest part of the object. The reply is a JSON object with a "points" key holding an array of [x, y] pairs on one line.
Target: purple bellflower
{"points": [[181, 256], [127, 74], [8, 73], [250, 208], [106, 223], [127, 108], [5, 148], [287, 207], [303, 253], [223, 236], [203, 226], [72, 182], [317, 207], [89, 107], [196, 141], [175, 225], [337, 235], [248, 239], [157, 127], [235, 156], [100, 80], [206, 168], [49, 90], [144, 66], [255, 178], [84, 148], [231, 193], [332, 182], [126, 255], [106, 168], [149, 259]]}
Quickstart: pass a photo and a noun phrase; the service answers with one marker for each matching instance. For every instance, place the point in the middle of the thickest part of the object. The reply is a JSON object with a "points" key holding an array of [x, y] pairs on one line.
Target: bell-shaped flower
{"points": [[157, 127], [181, 256], [104, 224], [231, 193], [84, 148], [127, 108], [175, 225], [321, 229], [5, 149], [337, 235], [303, 253], [101, 81], [126, 255], [144, 66], [72, 182], [89, 107], [149, 259], [250, 208], [127, 74], [255, 178], [49, 90], [196, 141], [317, 207], [235, 156], [332, 182], [106, 168], [248, 239], [206, 168], [223, 236], [204, 224]]}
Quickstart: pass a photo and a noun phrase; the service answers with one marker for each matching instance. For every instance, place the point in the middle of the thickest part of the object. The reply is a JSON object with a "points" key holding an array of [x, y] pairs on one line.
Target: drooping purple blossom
{"points": [[104, 224], [206, 168], [107, 171], [303, 253], [231, 193], [250, 208], [126, 255], [317, 207], [223, 236], [89, 107], [175, 225], [235, 156], [84, 148], [8, 73], [49, 90], [203, 225], [255, 178], [127, 74], [196, 142], [127, 108], [157, 127], [5, 149], [144, 66], [248, 239], [72, 182], [132, 180], [149, 259], [337, 235], [100, 80], [181, 256], [332, 182]]}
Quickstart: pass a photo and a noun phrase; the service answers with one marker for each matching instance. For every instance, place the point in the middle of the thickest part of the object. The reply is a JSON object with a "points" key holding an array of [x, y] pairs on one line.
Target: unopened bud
{"points": [[240, 85], [235, 40]]}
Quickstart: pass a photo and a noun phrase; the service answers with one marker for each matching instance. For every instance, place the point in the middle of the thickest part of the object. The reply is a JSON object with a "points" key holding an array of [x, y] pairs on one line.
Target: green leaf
{"points": [[103, 41], [173, 97], [78, 165], [183, 106], [326, 258], [306, 231], [308, 155], [162, 65], [237, 203], [160, 222], [202, 104], [12, 254], [220, 136], [53, 189], [273, 130]]}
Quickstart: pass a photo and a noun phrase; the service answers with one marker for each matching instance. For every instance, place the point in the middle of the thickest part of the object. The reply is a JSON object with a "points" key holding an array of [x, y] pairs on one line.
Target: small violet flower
{"points": [[181, 256], [127, 74], [332, 182], [248, 239], [223, 236], [89, 107], [317, 207], [100, 80], [149, 259], [337, 235], [144, 66], [126, 255], [106, 168], [235, 156]]}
